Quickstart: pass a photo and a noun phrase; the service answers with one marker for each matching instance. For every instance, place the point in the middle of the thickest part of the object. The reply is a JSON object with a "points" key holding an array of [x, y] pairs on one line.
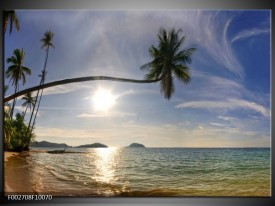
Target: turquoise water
{"points": [[152, 172]]}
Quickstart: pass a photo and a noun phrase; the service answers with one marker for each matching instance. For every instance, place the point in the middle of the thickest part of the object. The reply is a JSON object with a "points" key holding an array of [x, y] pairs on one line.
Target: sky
{"points": [[226, 104]]}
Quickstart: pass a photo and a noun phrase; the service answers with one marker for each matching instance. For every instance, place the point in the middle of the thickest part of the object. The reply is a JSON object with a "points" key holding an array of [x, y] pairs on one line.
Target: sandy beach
{"points": [[17, 175], [7, 155]]}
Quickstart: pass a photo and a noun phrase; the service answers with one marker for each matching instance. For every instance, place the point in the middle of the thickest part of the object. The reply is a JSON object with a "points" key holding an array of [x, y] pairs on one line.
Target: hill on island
{"points": [[136, 145], [95, 145], [47, 144]]}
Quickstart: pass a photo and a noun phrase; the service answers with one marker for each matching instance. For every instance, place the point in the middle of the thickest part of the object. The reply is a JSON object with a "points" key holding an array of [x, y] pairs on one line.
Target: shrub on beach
{"points": [[20, 137]]}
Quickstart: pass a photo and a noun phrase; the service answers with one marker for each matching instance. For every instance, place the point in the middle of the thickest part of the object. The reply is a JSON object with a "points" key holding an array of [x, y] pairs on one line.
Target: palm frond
{"points": [[17, 25], [182, 73], [47, 40], [10, 15], [184, 56], [11, 21], [169, 60]]}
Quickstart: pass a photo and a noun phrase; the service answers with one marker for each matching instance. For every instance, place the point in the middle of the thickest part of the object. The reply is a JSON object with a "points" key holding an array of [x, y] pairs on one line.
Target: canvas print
{"points": [[132, 103]]}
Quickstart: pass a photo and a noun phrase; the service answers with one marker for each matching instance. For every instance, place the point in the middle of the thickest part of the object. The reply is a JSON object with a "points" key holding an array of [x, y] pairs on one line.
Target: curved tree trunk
{"points": [[74, 80]]}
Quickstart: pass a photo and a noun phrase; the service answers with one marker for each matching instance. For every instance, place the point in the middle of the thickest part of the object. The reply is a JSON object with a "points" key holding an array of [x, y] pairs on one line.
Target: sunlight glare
{"points": [[103, 100]]}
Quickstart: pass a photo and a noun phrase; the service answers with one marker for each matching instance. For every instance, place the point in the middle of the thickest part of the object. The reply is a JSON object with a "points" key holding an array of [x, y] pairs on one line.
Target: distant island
{"points": [[136, 145], [47, 144], [95, 145]]}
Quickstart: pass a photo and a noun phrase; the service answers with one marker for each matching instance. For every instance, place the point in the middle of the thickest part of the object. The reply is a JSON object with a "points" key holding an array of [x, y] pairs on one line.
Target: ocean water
{"points": [[152, 172]]}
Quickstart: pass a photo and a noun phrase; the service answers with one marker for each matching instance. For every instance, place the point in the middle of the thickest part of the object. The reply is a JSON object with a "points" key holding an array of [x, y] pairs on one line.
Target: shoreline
{"points": [[8, 154], [17, 177]]}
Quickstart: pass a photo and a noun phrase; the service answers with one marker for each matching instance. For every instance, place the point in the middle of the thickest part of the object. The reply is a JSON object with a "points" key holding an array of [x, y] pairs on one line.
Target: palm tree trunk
{"points": [[25, 112], [45, 64], [36, 111], [14, 100], [41, 82], [33, 110], [79, 79]]}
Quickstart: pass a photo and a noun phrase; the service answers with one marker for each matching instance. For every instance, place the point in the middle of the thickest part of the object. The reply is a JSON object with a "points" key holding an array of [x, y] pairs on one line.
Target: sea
{"points": [[154, 172]]}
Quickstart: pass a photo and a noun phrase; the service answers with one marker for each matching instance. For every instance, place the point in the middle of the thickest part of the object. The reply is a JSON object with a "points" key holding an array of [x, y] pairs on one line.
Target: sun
{"points": [[103, 100]]}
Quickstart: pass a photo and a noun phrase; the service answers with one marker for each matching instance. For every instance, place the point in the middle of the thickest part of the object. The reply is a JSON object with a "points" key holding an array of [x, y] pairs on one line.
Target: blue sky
{"points": [[227, 103]]}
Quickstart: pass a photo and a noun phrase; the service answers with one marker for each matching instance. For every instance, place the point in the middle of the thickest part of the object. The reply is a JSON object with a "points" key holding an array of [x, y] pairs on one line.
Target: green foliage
{"points": [[8, 130], [11, 16], [17, 137], [29, 102], [169, 61], [47, 40], [16, 71]]}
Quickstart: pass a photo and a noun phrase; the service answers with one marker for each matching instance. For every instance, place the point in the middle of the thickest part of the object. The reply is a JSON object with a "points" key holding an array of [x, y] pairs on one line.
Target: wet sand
{"points": [[16, 173], [7, 155]]}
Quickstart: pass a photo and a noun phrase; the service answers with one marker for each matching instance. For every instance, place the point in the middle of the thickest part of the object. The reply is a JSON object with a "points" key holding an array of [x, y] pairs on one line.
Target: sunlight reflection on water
{"points": [[153, 171], [104, 160]]}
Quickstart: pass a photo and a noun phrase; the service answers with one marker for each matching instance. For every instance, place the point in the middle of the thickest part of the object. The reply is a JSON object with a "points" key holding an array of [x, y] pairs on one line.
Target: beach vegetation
{"points": [[29, 102], [10, 16], [169, 61], [16, 72], [20, 137], [46, 43], [8, 129]]}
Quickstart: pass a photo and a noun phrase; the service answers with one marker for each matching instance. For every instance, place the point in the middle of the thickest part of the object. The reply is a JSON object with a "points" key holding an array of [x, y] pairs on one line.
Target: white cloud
{"points": [[60, 108], [211, 86], [249, 33], [20, 108], [210, 34], [229, 104], [139, 30], [112, 114], [110, 44], [63, 133], [226, 118], [218, 124], [63, 89], [200, 127]]}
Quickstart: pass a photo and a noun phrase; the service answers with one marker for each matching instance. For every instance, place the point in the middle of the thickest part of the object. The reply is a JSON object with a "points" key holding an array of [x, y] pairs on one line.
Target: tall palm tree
{"points": [[12, 17], [28, 102], [8, 130], [46, 43], [169, 61], [6, 105], [17, 71]]}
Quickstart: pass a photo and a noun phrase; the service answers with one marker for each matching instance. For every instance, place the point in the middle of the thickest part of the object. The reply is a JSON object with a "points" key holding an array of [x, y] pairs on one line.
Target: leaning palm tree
{"points": [[169, 61], [46, 43], [28, 102], [17, 71], [12, 17]]}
